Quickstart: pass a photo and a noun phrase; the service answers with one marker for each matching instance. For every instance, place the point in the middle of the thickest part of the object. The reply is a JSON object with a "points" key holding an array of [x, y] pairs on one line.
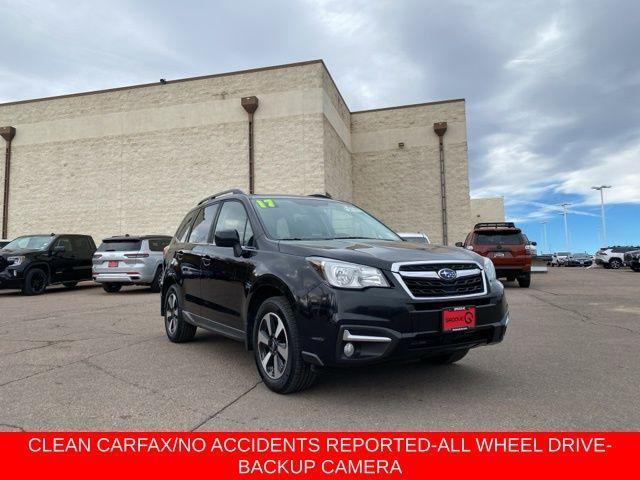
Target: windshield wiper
{"points": [[354, 238]]}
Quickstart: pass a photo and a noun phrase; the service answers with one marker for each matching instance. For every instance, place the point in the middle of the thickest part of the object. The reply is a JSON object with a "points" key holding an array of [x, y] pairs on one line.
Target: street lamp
{"points": [[544, 236], [604, 224], [566, 226]]}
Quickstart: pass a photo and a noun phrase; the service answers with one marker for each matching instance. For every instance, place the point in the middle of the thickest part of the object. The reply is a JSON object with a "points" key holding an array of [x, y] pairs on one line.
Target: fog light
{"points": [[349, 349]]}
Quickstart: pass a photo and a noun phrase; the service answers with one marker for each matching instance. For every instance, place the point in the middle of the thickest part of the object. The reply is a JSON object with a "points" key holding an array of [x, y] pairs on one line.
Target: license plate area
{"points": [[458, 319], [113, 264], [498, 254]]}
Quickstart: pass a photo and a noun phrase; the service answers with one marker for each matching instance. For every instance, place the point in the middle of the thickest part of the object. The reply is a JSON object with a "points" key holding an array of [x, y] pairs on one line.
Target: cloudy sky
{"points": [[552, 87]]}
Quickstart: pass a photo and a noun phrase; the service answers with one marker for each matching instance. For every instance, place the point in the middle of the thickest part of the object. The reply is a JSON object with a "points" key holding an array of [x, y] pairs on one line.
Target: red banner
{"points": [[319, 454]]}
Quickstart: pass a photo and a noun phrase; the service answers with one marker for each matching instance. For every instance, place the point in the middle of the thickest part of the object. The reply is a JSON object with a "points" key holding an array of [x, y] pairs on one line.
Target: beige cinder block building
{"points": [[489, 209], [135, 159]]}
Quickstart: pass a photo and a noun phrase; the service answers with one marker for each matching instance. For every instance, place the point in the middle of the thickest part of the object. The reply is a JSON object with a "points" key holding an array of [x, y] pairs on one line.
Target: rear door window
{"points": [[203, 223], [124, 245], [498, 238], [82, 246], [183, 229]]}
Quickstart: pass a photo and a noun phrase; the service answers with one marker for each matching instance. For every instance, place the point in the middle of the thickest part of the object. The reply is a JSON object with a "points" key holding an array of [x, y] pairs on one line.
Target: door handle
{"points": [[179, 254], [206, 260]]}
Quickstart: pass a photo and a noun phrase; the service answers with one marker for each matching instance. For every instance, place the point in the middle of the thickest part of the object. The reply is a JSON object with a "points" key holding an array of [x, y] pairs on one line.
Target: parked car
{"points": [[632, 259], [308, 282], [506, 246], [559, 259], [579, 260], [613, 257], [418, 237], [130, 260], [4, 241], [33, 262]]}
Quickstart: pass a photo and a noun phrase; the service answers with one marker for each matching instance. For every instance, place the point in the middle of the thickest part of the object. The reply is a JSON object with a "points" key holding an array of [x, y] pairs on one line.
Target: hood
{"points": [[19, 251], [377, 253]]}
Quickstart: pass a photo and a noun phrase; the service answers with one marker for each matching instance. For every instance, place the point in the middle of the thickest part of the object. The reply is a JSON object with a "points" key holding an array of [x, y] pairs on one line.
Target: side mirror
{"points": [[59, 249], [229, 238], [458, 244]]}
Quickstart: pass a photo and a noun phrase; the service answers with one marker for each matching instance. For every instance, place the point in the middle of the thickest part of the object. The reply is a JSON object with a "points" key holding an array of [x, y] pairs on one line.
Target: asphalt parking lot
{"points": [[83, 359]]}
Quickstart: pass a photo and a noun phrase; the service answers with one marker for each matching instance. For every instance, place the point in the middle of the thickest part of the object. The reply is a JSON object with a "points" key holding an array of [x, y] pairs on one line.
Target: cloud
{"points": [[552, 88]]}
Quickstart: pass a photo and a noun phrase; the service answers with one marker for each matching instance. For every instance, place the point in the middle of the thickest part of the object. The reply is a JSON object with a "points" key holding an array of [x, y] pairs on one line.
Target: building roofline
{"points": [[168, 82], [228, 74], [411, 105]]}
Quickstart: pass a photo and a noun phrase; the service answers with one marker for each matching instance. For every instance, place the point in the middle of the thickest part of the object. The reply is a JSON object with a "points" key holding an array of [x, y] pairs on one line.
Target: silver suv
{"points": [[130, 260]]}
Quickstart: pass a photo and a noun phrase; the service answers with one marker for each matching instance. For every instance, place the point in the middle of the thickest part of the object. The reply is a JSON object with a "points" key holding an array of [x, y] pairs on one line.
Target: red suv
{"points": [[506, 246]]}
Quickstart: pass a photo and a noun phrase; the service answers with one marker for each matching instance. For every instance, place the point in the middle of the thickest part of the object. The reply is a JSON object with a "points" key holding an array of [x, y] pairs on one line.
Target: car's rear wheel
{"points": [[155, 285], [111, 287], [70, 284], [446, 358], [178, 330], [35, 282], [524, 281], [615, 263], [277, 348]]}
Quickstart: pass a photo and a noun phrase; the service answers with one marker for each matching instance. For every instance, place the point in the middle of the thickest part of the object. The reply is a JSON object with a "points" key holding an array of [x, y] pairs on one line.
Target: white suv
{"points": [[612, 257]]}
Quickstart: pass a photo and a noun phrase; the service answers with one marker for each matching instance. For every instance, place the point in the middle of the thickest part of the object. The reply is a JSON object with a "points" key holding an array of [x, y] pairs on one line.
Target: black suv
{"points": [[307, 282], [32, 262]]}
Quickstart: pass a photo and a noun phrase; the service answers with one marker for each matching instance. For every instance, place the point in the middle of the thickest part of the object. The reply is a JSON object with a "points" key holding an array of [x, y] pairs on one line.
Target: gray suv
{"points": [[130, 260]]}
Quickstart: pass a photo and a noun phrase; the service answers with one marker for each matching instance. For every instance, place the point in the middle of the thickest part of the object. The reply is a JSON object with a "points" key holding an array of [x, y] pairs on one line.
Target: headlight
{"points": [[15, 260], [489, 269], [348, 275]]}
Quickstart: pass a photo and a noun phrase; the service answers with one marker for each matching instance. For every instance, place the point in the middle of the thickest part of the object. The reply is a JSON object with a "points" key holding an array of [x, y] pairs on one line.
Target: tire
{"points": [[70, 284], [275, 330], [35, 282], [155, 285], [446, 358], [111, 287], [178, 330], [615, 263], [524, 281], [635, 268]]}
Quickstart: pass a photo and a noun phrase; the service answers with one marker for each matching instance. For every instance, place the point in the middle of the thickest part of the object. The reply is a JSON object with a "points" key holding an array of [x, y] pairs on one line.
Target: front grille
{"points": [[432, 287], [434, 267]]}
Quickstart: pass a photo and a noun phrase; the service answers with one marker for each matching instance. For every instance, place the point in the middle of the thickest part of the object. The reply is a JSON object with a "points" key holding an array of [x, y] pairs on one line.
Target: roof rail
{"points": [[320, 195], [233, 191], [494, 224]]}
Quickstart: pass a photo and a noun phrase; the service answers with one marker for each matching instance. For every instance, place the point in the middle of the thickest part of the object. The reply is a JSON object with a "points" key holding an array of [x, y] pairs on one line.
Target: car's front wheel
{"points": [[277, 348], [178, 330], [35, 282]]}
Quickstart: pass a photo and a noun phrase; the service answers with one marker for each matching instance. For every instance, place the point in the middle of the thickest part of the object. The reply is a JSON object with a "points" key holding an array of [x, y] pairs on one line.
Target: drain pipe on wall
{"points": [[440, 128], [7, 133], [250, 104]]}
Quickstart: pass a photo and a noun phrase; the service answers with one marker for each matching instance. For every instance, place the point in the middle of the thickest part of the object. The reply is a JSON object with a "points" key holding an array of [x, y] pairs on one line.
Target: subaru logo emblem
{"points": [[447, 274]]}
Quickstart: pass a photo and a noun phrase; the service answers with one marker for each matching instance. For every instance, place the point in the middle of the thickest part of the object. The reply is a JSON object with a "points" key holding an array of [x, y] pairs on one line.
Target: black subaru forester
{"points": [[307, 282]]}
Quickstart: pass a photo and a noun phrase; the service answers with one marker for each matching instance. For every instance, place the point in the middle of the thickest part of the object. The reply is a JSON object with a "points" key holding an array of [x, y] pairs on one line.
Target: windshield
{"points": [[318, 219], [33, 242]]}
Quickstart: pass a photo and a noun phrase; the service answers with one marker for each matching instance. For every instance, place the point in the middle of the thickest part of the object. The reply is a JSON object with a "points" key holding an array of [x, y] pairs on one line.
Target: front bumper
{"points": [[396, 326], [11, 277]]}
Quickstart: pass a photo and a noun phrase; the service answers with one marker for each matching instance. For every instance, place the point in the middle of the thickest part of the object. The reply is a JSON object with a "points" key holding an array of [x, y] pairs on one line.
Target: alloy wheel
{"points": [[38, 282], [171, 315], [273, 345]]}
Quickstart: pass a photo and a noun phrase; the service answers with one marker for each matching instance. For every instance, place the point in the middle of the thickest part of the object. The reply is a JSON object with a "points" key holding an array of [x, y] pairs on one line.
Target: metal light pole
{"points": [[604, 223], [566, 226], [544, 236]]}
